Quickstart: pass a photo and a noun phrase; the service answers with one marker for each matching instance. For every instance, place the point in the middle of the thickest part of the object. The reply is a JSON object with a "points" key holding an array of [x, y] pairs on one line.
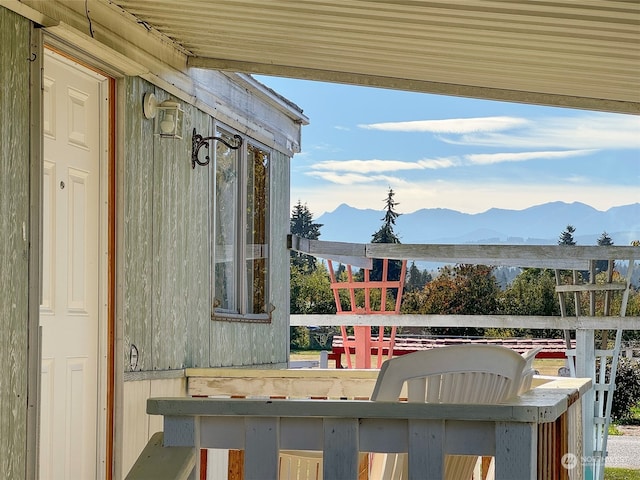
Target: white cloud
{"points": [[451, 125], [588, 131], [329, 169], [582, 131], [577, 179], [491, 158], [351, 179], [365, 166], [435, 163]]}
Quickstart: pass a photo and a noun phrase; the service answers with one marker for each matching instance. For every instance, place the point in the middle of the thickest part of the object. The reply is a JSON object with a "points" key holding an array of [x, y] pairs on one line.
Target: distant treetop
{"points": [[566, 237], [302, 225], [386, 234]]}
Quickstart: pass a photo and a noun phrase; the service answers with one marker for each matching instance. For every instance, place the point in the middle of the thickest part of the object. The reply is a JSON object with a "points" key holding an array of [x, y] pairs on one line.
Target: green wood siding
{"points": [[137, 222], [167, 257], [166, 273], [14, 230]]}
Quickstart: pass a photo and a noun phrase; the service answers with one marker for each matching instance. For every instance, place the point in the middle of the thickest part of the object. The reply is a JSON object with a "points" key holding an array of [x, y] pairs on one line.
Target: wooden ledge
{"points": [[540, 405]]}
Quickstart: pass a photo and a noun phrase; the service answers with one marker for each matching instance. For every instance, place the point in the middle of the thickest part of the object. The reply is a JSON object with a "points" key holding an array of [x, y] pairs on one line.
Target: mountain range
{"points": [[539, 225]]}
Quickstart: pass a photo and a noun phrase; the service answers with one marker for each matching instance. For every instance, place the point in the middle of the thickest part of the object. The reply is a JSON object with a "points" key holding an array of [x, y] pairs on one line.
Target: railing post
{"points": [[426, 448], [341, 448], [179, 431], [516, 451], [586, 368], [324, 359], [262, 441]]}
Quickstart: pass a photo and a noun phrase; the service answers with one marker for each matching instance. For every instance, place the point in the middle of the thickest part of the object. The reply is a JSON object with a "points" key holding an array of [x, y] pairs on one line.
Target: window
{"points": [[241, 232]]}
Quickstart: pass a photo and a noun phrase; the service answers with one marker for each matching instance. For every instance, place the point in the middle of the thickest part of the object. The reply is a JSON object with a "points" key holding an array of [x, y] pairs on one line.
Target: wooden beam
{"points": [[591, 287], [537, 256], [348, 253]]}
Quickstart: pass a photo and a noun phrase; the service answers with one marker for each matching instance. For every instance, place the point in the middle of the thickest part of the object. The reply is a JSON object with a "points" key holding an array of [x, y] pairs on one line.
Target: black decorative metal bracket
{"points": [[198, 141]]}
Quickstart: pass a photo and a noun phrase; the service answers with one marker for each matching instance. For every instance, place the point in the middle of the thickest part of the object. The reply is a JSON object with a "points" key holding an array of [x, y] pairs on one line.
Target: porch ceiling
{"points": [[578, 54]]}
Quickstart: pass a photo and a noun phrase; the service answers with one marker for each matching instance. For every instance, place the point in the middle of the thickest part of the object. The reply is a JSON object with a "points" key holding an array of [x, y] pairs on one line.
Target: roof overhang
{"points": [[571, 54]]}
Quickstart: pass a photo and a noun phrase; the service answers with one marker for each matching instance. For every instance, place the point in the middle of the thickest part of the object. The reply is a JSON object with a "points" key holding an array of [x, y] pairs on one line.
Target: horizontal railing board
{"points": [[592, 287], [297, 374], [538, 256], [478, 321], [280, 383], [534, 406], [315, 383]]}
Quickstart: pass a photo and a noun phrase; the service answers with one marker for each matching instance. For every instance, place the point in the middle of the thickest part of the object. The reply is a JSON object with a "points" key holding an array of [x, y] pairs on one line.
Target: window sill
{"points": [[237, 317]]}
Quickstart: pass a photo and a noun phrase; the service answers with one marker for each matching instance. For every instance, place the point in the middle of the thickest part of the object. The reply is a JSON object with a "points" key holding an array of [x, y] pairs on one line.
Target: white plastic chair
{"points": [[465, 374], [297, 465], [528, 371], [304, 465]]}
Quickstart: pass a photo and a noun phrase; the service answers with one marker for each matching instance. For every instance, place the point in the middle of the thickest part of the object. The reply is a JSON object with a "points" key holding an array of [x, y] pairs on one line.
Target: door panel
{"points": [[70, 312]]}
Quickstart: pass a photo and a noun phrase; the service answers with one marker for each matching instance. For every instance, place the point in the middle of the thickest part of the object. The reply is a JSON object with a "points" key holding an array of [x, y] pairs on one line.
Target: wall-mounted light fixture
{"points": [[168, 116], [198, 141]]}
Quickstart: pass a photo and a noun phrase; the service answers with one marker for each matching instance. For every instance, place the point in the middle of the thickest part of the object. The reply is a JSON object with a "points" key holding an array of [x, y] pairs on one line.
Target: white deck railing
{"points": [[518, 434]]}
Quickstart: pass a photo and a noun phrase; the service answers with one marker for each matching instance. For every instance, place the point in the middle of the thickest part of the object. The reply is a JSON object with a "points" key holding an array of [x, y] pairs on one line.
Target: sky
{"points": [[463, 154]]}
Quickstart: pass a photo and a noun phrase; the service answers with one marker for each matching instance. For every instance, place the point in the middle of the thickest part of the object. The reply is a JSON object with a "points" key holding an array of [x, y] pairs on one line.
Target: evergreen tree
{"points": [[566, 237], [416, 280], [413, 279], [604, 240], [302, 225], [386, 235]]}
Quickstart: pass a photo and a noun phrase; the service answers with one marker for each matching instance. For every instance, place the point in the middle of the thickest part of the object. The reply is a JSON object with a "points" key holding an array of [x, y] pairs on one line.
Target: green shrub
{"points": [[627, 393], [299, 339]]}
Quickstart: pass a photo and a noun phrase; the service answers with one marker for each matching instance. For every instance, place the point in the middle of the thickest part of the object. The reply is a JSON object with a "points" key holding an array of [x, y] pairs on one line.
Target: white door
{"points": [[70, 312]]}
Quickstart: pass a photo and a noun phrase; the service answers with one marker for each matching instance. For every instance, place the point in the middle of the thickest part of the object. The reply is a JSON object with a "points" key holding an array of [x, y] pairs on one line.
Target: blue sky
{"points": [[450, 152]]}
